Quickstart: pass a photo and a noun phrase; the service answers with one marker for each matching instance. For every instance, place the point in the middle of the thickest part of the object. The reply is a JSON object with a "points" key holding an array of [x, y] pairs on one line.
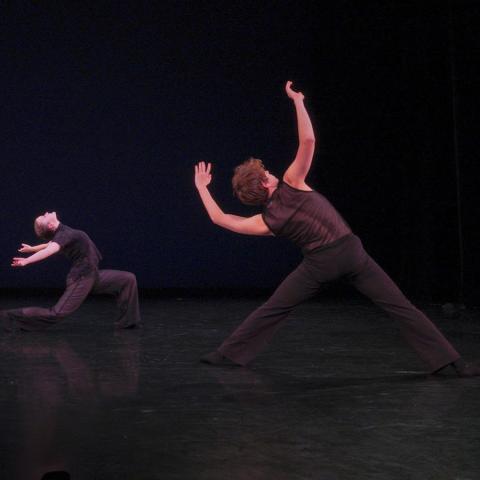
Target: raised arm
{"points": [[298, 170], [245, 225], [50, 249]]}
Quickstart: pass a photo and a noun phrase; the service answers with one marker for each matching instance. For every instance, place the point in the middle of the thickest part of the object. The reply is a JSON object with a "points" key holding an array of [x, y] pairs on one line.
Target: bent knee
{"points": [[130, 278], [59, 314]]}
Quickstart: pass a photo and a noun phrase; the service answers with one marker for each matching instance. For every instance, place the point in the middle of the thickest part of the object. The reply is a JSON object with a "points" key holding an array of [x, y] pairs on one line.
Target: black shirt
{"points": [[79, 249], [306, 218]]}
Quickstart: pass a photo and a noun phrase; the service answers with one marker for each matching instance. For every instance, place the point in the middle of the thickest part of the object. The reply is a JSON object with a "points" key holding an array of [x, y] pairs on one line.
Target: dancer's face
{"points": [[272, 180], [47, 219]]}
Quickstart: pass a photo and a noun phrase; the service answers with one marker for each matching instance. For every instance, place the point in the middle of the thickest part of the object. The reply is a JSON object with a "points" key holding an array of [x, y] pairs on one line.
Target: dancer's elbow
{"points": [[218, 219], [308, 141]]}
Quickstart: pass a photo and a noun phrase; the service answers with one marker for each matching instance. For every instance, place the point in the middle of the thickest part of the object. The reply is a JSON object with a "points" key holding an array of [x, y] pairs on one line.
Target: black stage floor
{"points": [[336, 396]]}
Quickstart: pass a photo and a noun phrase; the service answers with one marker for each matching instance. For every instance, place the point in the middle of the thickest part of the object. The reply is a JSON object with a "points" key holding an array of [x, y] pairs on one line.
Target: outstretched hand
{"points": [[291, 93], [26, 248], [202, 174], [19, 262]]}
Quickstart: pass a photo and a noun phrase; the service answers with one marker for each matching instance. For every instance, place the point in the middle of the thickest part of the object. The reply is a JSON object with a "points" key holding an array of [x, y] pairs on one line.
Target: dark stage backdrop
{"points": [[106, 106]]}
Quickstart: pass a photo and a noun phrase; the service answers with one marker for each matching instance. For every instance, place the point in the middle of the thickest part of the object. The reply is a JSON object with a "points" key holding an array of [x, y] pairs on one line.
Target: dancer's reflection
{"points": [[57, 401], [284, 424]]}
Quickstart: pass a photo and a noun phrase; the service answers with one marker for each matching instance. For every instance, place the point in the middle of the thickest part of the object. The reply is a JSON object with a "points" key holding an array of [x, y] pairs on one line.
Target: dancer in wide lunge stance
{"points": [[84, 278], [293, 210]]}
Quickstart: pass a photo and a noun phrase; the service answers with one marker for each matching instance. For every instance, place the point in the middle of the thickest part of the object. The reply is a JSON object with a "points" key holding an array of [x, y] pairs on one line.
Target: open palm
{"points": [[203, 176]]}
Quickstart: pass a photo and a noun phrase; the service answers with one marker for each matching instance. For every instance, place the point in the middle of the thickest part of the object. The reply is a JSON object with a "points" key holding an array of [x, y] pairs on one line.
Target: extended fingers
{"points": [[199, 168], [202, 167]]}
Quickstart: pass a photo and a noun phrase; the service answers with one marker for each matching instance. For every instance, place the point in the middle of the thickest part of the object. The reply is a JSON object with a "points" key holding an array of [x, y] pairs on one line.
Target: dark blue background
{"points": [[106, 107]]}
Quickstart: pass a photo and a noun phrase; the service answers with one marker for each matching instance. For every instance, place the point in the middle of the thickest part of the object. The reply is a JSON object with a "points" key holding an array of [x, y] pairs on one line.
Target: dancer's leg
{"points": [[255, 332], [39, 318], [123, 285], [422, 335]]}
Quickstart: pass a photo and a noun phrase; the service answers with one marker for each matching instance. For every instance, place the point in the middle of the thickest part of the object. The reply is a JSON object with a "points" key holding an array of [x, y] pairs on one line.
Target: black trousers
{"points": [[123, 285], [346, 258]]}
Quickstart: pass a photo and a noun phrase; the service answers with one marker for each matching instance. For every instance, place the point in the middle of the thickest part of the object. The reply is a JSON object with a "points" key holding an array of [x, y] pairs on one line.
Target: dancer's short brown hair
{"points": [[248, 180]]}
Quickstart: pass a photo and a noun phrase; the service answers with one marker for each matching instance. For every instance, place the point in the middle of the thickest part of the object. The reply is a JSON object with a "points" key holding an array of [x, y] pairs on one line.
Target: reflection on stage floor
{"points": [[337, 396]]}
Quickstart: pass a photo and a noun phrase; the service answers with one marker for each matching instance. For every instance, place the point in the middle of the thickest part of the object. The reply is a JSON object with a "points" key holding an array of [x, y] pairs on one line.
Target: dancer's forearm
{"points": [[298, 170], [244, 225], [25, 248], [215, 213], [46, 252], [304, 124], [37, 248], [235, 223], [38, 256]]}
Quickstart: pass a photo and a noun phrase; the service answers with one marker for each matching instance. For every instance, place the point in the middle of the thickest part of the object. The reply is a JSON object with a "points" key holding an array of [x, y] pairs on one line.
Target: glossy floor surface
{"points": [[337, 396]]}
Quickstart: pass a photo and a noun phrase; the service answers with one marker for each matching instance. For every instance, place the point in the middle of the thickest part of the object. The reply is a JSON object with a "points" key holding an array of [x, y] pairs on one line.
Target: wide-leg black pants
{"points": [[123, 285], [345, 258]]}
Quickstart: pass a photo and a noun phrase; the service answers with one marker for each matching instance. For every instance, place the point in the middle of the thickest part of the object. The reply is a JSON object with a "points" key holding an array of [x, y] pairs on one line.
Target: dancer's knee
{"points": [[130, 279], [58, 314]]}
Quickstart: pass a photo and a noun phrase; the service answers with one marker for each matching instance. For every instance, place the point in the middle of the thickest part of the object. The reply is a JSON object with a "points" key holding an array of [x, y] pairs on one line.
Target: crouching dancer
{"points": [[84, 278], [331, 251]]}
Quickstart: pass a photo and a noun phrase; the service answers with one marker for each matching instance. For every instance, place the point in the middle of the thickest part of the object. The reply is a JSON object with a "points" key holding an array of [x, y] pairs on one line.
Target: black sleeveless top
{"points": [[77, 246], [306, 218]]}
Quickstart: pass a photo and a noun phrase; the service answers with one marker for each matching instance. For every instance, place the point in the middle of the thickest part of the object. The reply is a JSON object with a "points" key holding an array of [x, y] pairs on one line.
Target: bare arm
{"points": [[298, 170], [25, 248], [50, 249], [245, 225]]}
